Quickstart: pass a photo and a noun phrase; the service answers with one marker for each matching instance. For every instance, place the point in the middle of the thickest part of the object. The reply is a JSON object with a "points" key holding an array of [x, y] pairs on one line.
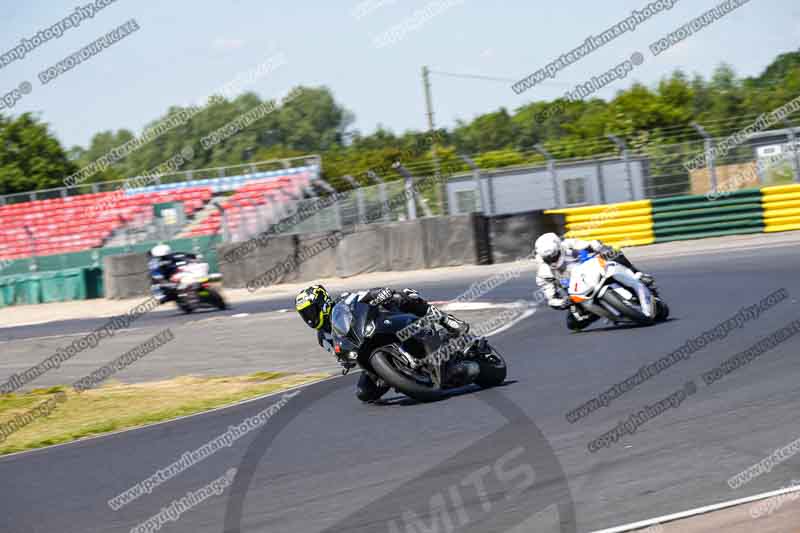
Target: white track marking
{"points": [[66, 335], [528, 312], [475, 306], [240, 315], [695, 512]]}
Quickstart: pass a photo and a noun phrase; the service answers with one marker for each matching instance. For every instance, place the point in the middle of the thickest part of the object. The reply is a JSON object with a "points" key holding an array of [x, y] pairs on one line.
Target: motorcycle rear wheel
{"points": [[216, 299], [493, 370], [184, 306], [663, 311]]}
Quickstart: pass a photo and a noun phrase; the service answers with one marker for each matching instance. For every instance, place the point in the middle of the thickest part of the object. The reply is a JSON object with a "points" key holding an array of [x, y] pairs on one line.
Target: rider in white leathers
{"points": [[555, 257]]}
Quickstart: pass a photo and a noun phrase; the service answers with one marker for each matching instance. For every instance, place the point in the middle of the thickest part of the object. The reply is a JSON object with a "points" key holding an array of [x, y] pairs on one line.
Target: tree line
{"points": [[32, 158]]}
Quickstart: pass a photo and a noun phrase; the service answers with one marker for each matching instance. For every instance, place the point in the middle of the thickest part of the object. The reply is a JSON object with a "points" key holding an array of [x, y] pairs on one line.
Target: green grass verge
{"points": [[120, 406]]}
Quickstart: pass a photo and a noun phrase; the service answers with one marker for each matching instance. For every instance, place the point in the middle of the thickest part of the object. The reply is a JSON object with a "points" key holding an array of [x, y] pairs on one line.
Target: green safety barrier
{"points": [[205, 245], [55, 286], [79, 275]]}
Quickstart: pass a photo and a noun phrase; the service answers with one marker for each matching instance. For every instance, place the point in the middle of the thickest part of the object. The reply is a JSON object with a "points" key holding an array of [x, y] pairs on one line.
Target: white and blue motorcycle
{"points": [[607, 289]]}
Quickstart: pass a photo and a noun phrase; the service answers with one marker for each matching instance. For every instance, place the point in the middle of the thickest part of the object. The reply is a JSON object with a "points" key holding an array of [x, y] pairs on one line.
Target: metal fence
{"points": [[654, 170], [384, 202], [741, 167]]}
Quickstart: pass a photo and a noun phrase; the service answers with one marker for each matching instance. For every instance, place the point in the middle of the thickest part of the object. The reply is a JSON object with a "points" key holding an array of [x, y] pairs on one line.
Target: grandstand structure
{"points": [[73, 222], [244, 206]]}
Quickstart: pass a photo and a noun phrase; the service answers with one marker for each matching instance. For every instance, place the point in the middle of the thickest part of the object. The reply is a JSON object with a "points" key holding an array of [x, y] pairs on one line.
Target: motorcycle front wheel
{"points": [[626, 309], [402, 378]]}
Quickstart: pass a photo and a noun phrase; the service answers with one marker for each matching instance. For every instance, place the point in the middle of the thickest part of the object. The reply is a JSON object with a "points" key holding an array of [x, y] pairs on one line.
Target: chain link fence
{"points": [[384, 202], [743, 166]]}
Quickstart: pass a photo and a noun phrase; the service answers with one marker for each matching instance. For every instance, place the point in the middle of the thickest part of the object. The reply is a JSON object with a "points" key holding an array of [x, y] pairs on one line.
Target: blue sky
{"points": [[186, 49]]}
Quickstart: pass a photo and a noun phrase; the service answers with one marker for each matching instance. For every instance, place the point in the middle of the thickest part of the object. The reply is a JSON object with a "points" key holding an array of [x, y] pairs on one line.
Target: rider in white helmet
{"points": [[162, 264], [555, 256]]}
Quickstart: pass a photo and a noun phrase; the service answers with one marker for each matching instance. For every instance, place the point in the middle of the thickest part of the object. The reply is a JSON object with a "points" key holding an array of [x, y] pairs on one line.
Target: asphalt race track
{"points": [[499, 460]]}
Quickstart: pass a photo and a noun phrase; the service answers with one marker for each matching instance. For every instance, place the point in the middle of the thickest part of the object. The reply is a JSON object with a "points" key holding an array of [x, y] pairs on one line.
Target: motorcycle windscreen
{"points": [[349, 321], [585, 277], [341, 319]]}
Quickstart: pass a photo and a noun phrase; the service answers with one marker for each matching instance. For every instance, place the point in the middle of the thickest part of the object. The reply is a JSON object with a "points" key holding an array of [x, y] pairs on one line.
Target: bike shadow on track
{"points": [[624, 327], [404, 401], [533, 493]]}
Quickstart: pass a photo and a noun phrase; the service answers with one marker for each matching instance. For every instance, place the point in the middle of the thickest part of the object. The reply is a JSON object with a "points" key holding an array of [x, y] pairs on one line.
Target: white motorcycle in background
{"points": [[193, 287], [610, 290]]}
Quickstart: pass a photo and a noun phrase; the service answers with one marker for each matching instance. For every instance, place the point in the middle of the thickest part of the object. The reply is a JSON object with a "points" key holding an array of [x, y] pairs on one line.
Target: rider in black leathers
{"points": [[315, 305]]}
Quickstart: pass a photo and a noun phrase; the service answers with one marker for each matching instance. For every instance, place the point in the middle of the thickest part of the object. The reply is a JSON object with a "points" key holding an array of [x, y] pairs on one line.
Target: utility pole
{"points": [[426, 83], [709, 150]]}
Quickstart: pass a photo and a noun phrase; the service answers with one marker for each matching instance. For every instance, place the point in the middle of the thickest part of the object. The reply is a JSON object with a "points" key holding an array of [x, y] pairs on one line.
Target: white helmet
{"points": [[548, 248], [160, 250]]}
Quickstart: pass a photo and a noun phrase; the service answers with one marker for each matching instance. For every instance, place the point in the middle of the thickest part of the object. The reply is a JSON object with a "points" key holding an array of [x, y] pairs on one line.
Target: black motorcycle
{"points": [[425, 364]]}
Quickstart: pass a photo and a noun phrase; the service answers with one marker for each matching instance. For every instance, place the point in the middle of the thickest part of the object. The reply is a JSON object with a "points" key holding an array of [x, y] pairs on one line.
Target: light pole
{"points": [[362, 215], [386, 212], [623, 148], [551, 167], [476, 174]]}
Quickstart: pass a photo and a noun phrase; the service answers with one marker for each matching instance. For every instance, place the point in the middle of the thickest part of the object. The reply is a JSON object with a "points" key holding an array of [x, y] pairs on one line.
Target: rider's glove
{"points": [[383, 296], [559, 303], [607, 251], [347, 363]]}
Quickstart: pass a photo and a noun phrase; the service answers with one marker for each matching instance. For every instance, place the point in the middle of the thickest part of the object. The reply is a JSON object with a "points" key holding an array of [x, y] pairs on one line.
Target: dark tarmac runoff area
{"points": [[500, 460]]}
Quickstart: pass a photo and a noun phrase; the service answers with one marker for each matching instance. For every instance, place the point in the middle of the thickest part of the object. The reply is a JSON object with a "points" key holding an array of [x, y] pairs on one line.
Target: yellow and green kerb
{"points": [[676, 218], [624, 224]]}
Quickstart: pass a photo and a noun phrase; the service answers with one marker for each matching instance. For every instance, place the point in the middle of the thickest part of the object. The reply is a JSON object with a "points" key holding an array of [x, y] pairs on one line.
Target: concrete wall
{"points": [[405, 245], [316, 256], [512, 236], [397, 246], [262, 261], [411, 245], [357, 252], [125, 276], [449, 241]]}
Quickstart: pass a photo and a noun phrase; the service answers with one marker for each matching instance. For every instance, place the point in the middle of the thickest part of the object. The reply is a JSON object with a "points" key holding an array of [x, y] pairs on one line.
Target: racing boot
{"points": [[159, 294], [648, 280], [454, 326], [577, 321]]}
